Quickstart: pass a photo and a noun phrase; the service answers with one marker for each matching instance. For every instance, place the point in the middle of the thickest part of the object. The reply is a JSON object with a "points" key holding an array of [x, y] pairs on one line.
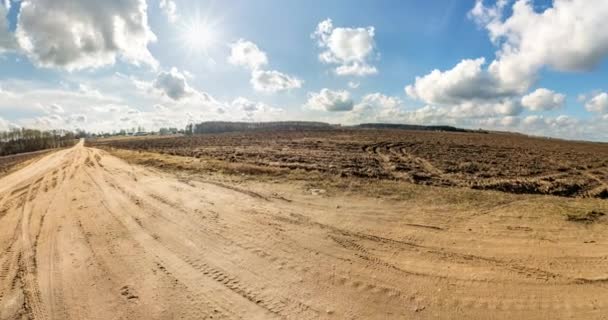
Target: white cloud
{"points": [[328, 100], [88, 90], [169, 8], [245, 104], [247, 54], [378, 101], [508, 107], [7, 40], [173, 84], [353, 84], [598, 103], [6, 125], [349, 48], [472, 110], [559, 125], [543, 99], [26, 98], [376, 107], [483, 15], [533, 120], [565, 37], [273, 81], [356, 69], [118, 106], [250, 110], [467, 81], [85, 34], [467, 90], [77, 118], [160, 108], [54, 108]]}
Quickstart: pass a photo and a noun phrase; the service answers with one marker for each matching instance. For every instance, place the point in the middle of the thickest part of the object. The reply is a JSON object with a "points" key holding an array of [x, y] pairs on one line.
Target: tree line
{"points": [[227, 126], [28, 140]]}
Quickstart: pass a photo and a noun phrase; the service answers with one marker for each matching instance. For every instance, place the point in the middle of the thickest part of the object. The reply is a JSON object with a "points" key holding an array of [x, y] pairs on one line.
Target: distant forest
{"points": [[410, 127], [29, 140], [225, 126]]}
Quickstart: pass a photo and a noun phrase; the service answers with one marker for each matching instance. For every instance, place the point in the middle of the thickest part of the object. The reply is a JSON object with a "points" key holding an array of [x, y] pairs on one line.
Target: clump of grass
{"points": [[587, 218]]}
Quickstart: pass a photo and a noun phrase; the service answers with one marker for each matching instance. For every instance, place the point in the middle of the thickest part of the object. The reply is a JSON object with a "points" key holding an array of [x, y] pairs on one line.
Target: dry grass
{"points": [[588, 217], [12, 163], [424, 196]]}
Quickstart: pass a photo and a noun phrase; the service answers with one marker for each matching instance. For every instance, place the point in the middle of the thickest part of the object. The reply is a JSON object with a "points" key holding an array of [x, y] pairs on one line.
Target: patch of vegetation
{"points": [[587, 218]]}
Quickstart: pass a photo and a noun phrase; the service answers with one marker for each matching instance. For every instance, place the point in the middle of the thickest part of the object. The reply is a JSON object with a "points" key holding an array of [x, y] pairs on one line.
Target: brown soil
{"points": [[86, 235], [503, 162]]}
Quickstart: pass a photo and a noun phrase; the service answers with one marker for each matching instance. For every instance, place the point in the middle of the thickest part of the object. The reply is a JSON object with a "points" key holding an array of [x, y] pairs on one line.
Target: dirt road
{"points": [[84, 235]]}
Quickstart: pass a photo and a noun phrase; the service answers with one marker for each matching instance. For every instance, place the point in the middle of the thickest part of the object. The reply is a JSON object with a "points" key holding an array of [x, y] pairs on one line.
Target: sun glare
{"points": [[198, 34]]}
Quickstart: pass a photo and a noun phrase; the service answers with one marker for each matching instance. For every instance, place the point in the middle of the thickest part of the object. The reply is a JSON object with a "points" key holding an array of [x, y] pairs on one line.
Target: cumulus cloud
{"points": [[245, 104], [349, 48], [378, 101], [467, 81], [169, 8], [564, 37], [557, 126], [598, 103], [273, 81], [253, 110], [470, 109], [247, 54], [85, 34], [467, 90], [356, 69], [562, 126], [376, 107], [328, 100], [543, 99], [173, 84]]}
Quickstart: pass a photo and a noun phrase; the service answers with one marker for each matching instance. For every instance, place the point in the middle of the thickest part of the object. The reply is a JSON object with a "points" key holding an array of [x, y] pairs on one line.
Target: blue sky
{"points": [[537, 67]]}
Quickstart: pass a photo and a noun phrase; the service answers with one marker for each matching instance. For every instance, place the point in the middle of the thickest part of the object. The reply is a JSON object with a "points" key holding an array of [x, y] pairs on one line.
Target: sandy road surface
{"points": [[83, 235]]}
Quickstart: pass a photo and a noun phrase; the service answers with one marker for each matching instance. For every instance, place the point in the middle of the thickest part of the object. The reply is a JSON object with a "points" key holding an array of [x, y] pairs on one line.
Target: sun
{"points": [[198, 34]]}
